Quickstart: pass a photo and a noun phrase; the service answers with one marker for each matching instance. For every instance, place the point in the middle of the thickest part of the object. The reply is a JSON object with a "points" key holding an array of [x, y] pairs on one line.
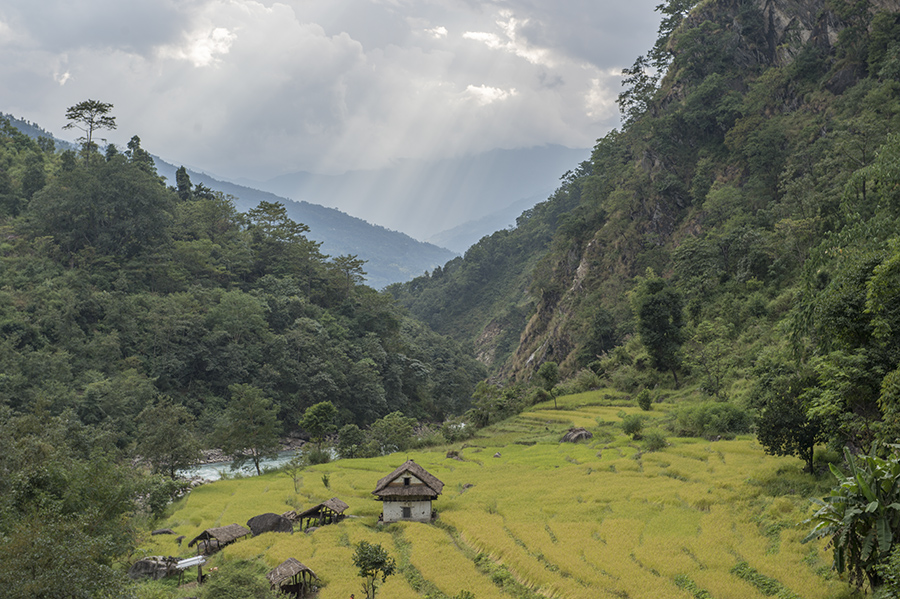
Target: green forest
{"points": [[732, 251], [738, 236]]}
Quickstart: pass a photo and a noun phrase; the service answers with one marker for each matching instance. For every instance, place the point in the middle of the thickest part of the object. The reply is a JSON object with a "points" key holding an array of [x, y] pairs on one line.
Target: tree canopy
{"points": [[90, 116]]}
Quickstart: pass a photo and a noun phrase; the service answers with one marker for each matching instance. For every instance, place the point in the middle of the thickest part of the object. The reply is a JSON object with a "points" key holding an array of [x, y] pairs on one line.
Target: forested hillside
{"points": [[739, 234], [118, 290], [390, 256], [140, 323]]}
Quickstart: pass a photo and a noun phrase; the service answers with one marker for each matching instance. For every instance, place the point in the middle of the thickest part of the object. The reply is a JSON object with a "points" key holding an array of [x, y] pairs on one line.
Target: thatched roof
{"points": [[286, 570], [577, 434], [432, 484], [269, 523], [334, 504], [223, 534]]}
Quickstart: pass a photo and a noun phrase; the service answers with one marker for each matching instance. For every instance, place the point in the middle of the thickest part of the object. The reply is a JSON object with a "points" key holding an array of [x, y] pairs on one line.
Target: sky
{"points": [[246, 89]]}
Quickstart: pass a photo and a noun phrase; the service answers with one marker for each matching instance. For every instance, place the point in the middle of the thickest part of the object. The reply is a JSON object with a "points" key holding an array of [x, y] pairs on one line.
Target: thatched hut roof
{"points": [[334, 504], [269, 523], [222, 534], [286, 570], [432, 485]]}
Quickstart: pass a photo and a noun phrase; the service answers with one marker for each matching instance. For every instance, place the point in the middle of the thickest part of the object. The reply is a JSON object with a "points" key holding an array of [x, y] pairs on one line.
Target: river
{"points": [[216, 470]]}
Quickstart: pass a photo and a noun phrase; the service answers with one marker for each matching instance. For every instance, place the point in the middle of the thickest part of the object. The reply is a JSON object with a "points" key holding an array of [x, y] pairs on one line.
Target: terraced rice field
{"points": [[596, 519]]}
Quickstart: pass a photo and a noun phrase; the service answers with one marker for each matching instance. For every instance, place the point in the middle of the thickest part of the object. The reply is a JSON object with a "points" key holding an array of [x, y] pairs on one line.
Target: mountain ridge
{"points": [[391, 256], [426, 198]]}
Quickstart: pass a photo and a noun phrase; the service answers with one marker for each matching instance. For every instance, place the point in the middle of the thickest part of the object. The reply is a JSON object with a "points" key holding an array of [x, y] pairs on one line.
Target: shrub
{"points": [[457, 430], [237, 580], [709, 420], [350, 441], [429, 437], [585, 380], [654, 441], [632, 424], [536, 396], [316, 456], [644, 400], [161, 490]]}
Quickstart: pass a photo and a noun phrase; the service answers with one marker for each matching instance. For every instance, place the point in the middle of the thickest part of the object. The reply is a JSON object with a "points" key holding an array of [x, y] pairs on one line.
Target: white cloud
{"points": [[488, 95], [323, 86], [202, 48]]}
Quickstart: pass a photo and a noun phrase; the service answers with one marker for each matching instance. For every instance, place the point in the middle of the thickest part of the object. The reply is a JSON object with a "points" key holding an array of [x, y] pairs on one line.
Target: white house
{"points": [[407, 493]]}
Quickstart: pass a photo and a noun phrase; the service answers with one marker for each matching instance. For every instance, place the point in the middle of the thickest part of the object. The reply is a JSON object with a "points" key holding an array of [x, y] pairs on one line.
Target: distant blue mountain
{"points": [[452, 203], [390, 256], [424, 198]]}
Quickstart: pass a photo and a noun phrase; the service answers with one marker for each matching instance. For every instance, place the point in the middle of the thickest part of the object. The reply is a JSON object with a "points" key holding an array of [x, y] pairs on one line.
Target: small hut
{"points": [[213, 539], [292, 578], [407, 493], [269, 523], [326, 512]]}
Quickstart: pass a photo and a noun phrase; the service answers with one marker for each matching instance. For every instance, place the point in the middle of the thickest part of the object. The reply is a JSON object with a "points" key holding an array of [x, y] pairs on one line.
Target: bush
{"points": [[350, 441], [537, 395], [644, 400], [457, 430], [709, 420], [429, 437], [632, 424], [585, 380], [316, 456], [161, 491], [654, 441], [237, 580]]}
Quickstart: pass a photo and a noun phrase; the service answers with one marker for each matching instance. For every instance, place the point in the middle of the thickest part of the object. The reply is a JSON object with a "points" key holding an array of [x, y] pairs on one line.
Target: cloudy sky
{"points": [[253, 89]]}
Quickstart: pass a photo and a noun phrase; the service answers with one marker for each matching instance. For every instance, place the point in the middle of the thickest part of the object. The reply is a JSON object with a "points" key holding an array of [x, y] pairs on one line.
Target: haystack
{"points": [[269, 523], [577, 434]]}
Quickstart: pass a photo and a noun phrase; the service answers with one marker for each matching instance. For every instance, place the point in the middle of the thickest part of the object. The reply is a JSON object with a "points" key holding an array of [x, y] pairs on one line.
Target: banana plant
{"points": [[861, 515]]}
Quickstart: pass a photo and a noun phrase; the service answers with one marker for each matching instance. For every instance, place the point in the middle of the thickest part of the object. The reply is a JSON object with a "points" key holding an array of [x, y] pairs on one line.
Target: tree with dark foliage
{"points": [[90, 116]]}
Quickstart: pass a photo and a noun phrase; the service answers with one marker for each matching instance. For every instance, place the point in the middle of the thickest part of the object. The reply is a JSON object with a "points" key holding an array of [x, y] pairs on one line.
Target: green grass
{"points": [[601, 518]]}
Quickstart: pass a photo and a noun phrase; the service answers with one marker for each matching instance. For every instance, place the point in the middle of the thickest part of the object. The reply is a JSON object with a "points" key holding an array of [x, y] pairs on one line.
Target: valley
{"points": [[524, 515]]}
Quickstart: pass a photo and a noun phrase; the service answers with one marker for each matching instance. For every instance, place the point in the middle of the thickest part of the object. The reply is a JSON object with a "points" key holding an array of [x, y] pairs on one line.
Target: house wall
{"points": [[392, 511]]}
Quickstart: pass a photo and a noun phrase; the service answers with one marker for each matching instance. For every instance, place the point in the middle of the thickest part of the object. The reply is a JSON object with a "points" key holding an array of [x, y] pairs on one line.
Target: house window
{"points": [[406, 482], [407, 512]]}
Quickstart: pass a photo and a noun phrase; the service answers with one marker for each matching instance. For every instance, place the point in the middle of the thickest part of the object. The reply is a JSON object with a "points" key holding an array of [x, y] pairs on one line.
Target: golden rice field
{"points": [[580, 521]]}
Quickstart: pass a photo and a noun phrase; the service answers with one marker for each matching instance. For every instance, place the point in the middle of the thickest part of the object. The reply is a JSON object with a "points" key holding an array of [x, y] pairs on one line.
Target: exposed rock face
{"points": [[789, 25], [780, 31]]}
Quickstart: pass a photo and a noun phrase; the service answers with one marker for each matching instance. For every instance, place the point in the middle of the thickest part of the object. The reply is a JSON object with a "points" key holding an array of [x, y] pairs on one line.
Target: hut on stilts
{"points": [[292, 578], [213, 539], [326, 512]]}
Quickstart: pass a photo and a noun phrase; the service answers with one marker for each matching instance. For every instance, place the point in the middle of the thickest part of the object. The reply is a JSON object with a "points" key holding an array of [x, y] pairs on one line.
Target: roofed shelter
{"points": [[326, 512], [407, 493], [269, 522], [292, 578], [213, 539]]}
